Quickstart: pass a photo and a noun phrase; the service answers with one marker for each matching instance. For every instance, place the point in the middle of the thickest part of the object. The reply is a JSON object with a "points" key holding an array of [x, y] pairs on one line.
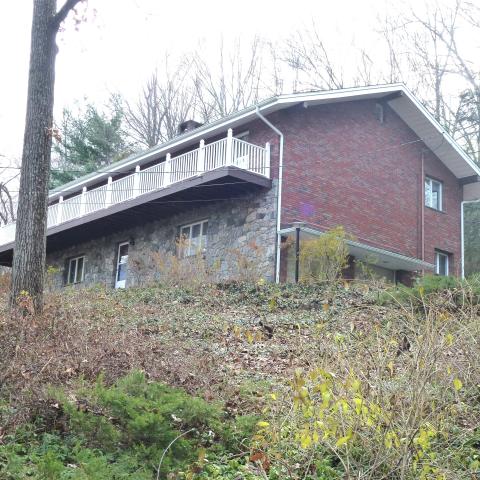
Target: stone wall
{"points": [[240, 242]]}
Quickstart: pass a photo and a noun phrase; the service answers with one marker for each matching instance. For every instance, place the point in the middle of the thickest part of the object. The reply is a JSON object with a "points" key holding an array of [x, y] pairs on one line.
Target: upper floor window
{"points": [[433, 193], [441, 263], [76, 270], [193, 238]]}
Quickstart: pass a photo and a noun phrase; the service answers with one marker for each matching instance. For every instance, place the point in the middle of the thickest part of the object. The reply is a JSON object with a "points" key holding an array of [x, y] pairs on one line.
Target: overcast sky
{"points": [[122, 42]]}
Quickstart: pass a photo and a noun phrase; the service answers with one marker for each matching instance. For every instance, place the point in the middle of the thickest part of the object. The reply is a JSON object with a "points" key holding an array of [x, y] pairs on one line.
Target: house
{"points": [[241, 189]]}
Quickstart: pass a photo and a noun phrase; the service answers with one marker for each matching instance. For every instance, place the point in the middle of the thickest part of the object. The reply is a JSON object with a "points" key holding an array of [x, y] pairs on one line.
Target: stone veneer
{"points": [[238, 229]]}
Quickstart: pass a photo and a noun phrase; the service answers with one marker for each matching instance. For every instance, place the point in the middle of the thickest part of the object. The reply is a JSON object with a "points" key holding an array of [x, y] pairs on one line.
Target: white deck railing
{"points": [[223, 153]]}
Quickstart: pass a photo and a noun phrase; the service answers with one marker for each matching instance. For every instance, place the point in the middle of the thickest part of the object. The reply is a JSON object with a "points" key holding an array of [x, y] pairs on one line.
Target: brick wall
{"points": [[342, 166]]}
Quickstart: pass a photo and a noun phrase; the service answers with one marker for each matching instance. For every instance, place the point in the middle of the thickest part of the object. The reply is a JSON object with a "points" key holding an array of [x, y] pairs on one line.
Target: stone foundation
{"points": [[240, 244]]}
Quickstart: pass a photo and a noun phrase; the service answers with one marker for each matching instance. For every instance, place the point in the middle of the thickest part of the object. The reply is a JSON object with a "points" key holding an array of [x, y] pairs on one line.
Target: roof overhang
{"points": [[398, 97], [216, 187], [471, 192], [367, 253]]}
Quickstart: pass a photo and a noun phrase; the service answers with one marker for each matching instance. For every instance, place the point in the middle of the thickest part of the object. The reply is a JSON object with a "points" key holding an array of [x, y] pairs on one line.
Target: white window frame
{"points": [[429, 184], [439, 255], [187, 250], [74, 261], [121, 283]]}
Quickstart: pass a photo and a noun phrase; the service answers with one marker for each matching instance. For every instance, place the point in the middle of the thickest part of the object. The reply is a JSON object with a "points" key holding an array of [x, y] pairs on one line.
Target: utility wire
{"points": [[132, 170], [192, 171]]}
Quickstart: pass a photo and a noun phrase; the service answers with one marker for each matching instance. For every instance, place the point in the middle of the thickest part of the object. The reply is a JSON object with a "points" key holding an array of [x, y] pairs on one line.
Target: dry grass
{"points": [[238, 342], [208, 340]]}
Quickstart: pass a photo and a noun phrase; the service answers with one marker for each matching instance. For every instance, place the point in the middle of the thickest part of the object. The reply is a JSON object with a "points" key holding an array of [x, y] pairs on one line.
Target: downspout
{"points": [[462, 231], [279, 190], [422, 203], [422, 206]]}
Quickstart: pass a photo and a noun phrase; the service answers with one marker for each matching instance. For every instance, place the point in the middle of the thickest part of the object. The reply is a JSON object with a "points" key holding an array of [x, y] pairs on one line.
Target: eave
{"points": [[397, 96], [216, 186]]}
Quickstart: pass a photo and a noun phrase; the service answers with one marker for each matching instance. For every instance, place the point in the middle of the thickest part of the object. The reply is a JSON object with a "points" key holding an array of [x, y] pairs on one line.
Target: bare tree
{"points": [[444, 77], [30, 238], [310, 60], [7, 206], [235, 82], [421, 49], [465, 117], [144, 119], [166, 100], [196, 89]]}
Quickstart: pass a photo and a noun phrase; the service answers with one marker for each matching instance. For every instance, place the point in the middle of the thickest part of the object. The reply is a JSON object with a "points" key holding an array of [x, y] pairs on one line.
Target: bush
{"points": [[130, 423], [324, 258], [398, 400], [457, 289]]}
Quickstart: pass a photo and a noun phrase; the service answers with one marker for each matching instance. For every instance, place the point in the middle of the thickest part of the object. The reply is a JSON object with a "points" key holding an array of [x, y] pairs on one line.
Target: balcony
{"points": [[172, 174]]}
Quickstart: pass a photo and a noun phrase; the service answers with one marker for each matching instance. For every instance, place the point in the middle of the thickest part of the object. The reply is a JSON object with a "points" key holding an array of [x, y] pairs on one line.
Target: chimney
{"points": [[187, 126]]}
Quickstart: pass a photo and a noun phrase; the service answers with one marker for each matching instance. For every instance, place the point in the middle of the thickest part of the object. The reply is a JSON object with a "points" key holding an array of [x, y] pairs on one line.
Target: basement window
{"points": [[441, 263], [433, 193], [75, 270], [193, 239]]}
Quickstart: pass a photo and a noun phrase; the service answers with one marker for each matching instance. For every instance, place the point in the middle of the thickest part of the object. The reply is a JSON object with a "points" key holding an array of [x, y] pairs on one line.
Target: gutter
{"points": [[279, 190], [462, 231], [187, 138]]}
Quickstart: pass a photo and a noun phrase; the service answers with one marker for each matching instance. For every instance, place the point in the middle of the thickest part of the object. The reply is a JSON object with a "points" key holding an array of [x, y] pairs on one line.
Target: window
{"points": [[75, 270], [122, 265], [433, 193], [193, 238], [441, 263]]}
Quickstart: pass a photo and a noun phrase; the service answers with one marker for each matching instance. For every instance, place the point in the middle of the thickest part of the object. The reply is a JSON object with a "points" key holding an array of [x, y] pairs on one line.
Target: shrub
{"points": [[388, 402], [324, 258], [457, 289], [130, 424]]}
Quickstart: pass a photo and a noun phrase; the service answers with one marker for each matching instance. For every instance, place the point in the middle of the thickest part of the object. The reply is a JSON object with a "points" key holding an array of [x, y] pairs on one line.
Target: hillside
{"points": [[243, 381]]}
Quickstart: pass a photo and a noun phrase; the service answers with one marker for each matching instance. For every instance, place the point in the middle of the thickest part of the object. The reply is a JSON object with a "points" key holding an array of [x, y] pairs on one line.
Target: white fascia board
{"points": [[475, 168], [341, 94], [267, 106]]}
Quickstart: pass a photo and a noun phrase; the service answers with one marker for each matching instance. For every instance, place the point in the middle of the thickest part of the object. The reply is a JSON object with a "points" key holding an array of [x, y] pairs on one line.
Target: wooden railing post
{"points": [[136, 182], [201, 158], [82, 201], [60, 210], [267, 160], [168, 170], [108, 193], [228, 149]]}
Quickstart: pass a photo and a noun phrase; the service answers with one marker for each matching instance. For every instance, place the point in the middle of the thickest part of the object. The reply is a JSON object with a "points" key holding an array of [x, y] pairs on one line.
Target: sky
{"points": [[121, 42]]}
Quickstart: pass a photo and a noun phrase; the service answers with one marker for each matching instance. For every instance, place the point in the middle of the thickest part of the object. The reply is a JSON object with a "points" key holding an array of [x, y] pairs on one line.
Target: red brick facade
{"points": [[343, 166]]}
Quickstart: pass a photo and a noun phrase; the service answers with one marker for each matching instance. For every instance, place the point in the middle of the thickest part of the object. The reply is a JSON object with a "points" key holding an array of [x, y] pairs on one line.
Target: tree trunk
{"points": [[30, 237]]}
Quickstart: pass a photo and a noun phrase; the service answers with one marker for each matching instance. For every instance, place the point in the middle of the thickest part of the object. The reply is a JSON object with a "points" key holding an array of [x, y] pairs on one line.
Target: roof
{"points": [[370, 254], [399, 98]]}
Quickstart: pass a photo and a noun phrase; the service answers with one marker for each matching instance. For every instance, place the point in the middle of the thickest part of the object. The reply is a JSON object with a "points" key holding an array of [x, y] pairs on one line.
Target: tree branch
{"points": [[62, 14]]}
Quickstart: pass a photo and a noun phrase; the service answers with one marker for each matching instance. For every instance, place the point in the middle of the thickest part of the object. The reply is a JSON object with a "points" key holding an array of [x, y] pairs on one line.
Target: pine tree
{"points": [[88, 141]]}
